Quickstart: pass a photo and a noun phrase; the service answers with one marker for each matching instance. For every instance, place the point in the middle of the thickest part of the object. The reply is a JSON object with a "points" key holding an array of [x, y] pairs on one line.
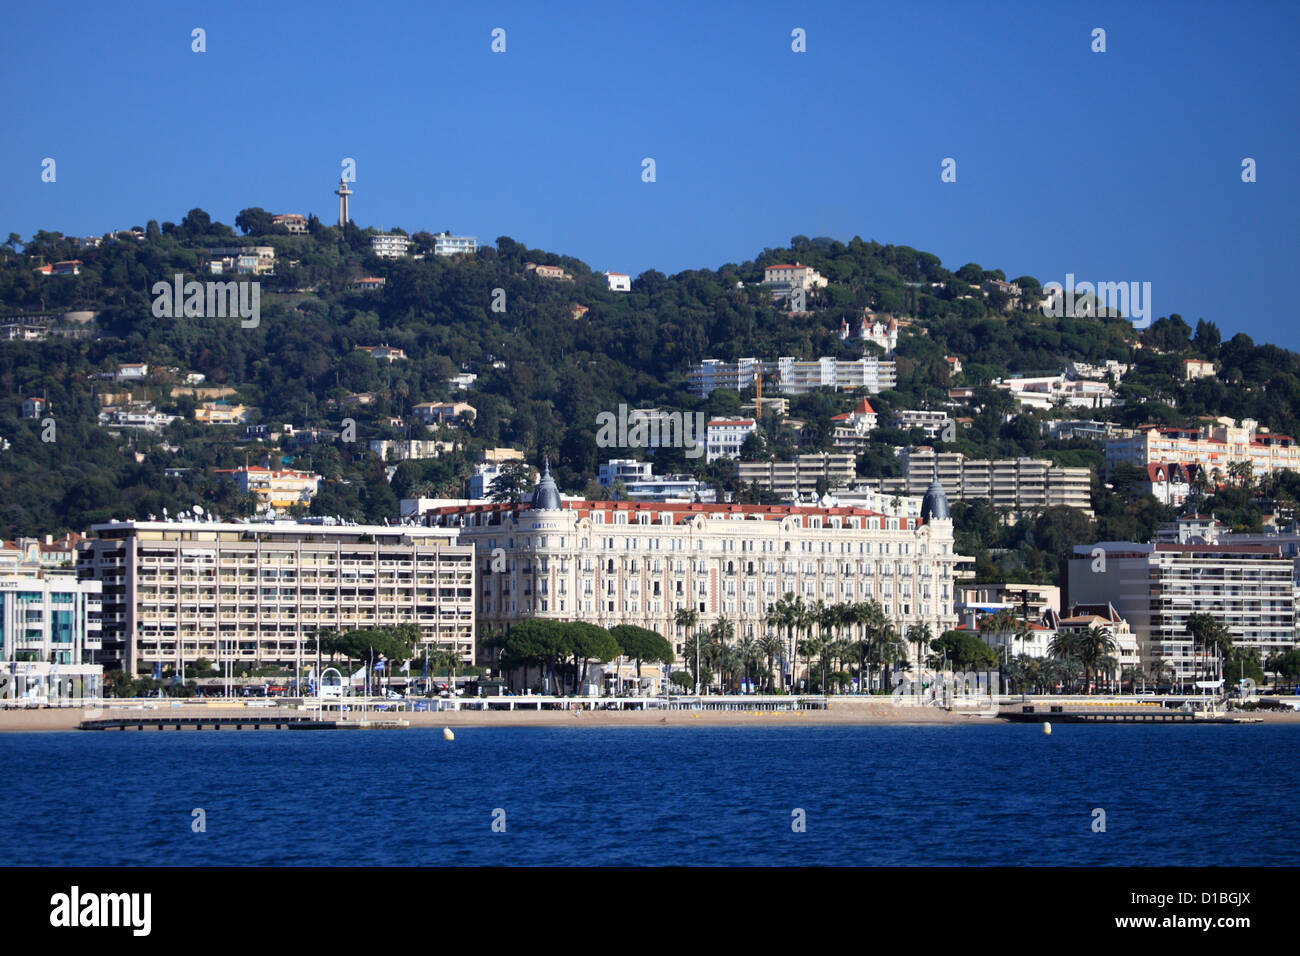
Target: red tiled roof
{"points": [[683, 509]]}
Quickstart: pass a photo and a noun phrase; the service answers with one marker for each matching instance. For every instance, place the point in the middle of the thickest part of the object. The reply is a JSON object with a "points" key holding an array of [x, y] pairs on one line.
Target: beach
{"points": [[840, 713]]}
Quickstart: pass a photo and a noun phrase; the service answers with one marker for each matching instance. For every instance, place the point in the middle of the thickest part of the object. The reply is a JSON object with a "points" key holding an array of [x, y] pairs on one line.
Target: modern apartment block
{"points": [[1014, 485], [390, 246], [1214, 447], [794, 377], [175, 591], [1157, 587], [800, 475], [640, 483], [626, 562], [49, 634], [445, 244]]}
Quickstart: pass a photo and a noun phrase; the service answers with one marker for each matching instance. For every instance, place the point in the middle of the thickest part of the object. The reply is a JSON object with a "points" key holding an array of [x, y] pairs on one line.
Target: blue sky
{"points": [[1115, 166]]}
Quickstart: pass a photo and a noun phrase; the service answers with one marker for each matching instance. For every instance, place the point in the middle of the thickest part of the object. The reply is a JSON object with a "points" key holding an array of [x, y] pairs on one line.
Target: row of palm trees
{"points": [[836, 635]]}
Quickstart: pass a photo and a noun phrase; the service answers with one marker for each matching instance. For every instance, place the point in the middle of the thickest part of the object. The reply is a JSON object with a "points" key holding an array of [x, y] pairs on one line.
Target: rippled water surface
{"points": [[928, 795]]}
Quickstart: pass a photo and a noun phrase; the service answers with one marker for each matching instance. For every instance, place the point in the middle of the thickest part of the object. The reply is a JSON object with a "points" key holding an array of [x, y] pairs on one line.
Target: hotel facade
{"points": [[256, 593], [630, 562]]}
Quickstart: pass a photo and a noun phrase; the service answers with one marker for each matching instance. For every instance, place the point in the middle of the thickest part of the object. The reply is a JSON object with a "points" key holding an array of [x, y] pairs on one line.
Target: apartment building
{"points": [[49, 634], [625, 562], [1157, 587], [1214, 446], [801, 475], [932, 423], [445, 244], [793, 377], [1065, 430], [282, 488], [640, 483], [1052, 390], [1015, 485], [725, 436], [483, 478], [257, 593], [390, 245]]}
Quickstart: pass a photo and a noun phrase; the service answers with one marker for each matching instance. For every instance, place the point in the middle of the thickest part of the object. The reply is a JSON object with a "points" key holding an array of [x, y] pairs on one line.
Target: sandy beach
{"points": [[848, 713]]}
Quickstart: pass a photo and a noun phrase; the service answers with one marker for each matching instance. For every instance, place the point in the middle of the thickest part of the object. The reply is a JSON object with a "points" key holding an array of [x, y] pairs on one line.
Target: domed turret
{"points": [[546, 497], [935, 503]]}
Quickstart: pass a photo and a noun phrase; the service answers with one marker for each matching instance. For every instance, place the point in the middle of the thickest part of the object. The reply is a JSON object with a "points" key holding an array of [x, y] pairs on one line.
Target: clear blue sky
{"points": [[1116, 166]]}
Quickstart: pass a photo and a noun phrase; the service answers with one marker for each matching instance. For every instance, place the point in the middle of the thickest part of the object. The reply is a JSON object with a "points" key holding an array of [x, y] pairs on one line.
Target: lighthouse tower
{"points": [[343, 192]]}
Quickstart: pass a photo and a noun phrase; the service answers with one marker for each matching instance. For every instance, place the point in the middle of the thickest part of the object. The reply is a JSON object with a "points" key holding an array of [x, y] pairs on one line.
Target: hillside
{"points": [[542, 375]]}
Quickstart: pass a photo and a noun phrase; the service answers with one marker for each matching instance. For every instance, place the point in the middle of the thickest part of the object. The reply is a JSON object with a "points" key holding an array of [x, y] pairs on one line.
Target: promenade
{"points": [[748, 711]]}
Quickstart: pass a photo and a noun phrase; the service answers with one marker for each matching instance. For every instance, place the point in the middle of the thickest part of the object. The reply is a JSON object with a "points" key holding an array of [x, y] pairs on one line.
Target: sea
{"points": [[964, 795]]}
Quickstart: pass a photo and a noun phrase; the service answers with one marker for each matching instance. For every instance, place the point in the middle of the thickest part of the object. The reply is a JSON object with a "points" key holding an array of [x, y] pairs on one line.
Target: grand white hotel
{"points": [[639, 562]]}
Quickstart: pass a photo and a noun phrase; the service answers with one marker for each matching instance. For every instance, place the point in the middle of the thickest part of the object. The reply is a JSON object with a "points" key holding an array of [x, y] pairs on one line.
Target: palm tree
{"points": [[829, 617], [1159, 669], [770, 645], [1208, 633], [1005, 622], [888, 648], [1092, 647], [1131, 676], [1242, 474], [784, 614], [693, 651], [721, 657], [874, 623], [686, 619], [747, 652], [921, 635], [805, 621]]}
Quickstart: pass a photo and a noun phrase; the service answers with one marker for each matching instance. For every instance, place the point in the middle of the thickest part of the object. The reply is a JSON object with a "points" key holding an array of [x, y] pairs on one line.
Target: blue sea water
{"points": [[898, 795]]}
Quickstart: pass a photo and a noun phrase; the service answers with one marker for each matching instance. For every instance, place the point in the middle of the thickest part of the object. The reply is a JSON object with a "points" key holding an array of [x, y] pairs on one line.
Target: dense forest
{"points": [[544, 375]]}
